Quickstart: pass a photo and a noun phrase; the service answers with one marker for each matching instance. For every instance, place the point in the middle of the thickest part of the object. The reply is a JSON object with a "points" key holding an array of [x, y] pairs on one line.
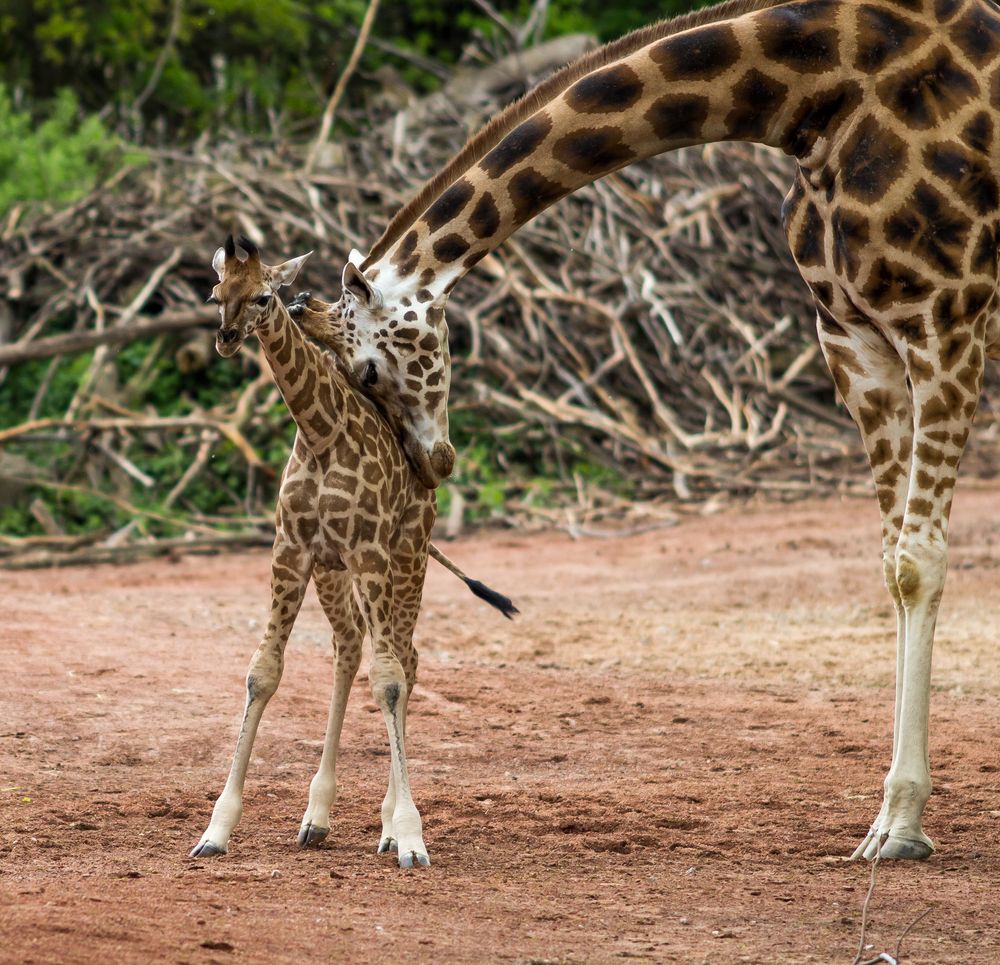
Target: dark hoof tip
{"points": [[206, 850], [310, 836], [407, 861], [386, 845], [905, 849]]}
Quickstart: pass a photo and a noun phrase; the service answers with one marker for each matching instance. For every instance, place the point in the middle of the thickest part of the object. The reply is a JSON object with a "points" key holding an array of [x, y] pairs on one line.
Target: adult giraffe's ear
{"points": [[360, 287], [284, 274], [219, 262]]}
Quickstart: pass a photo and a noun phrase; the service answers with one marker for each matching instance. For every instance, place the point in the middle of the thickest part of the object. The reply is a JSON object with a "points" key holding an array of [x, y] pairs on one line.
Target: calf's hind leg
{"points": [[337, 599], [290, 571], [406, 603], [389, 689]]}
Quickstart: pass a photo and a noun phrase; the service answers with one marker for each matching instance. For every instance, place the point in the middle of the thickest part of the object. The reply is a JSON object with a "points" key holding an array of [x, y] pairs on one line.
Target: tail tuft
{"points": [[494, 599]]}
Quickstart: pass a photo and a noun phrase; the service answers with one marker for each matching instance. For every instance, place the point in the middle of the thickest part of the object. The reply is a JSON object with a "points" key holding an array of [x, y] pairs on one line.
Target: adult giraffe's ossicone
{"points": [[891, 109]]}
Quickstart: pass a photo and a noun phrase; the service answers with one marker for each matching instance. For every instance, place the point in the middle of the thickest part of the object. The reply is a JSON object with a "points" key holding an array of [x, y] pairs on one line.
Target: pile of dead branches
{"points": [[647, 338]]}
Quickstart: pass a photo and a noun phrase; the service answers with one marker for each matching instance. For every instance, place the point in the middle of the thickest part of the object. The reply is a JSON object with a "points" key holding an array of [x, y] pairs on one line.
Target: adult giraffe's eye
{"points": [[262, 300]]}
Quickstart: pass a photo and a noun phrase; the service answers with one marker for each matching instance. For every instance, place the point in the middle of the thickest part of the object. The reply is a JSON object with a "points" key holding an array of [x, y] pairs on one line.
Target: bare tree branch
{"points": [[341, 85]]}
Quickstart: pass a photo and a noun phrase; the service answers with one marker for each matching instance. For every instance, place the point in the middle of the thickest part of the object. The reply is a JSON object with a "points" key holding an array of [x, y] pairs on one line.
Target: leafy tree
{"points": [[55, 158], [246, 62]]}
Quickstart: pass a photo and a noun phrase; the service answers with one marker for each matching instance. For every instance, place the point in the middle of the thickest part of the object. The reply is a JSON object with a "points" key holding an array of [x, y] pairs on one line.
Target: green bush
{"points": [[56, 158], [247, 62]]}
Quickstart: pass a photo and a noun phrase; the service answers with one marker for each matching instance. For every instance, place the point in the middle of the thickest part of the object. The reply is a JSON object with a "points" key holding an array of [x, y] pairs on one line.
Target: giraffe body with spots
{"points": [[351, 514], [891, 109]]}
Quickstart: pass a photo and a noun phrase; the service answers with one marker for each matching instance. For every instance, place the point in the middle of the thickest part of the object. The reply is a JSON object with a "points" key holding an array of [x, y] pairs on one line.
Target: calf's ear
{"points": [[284, 274]]}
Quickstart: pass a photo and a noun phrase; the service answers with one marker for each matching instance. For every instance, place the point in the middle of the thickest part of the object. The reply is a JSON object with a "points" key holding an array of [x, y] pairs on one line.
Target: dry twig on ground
{"points": [[894, 957], [652, 325]]}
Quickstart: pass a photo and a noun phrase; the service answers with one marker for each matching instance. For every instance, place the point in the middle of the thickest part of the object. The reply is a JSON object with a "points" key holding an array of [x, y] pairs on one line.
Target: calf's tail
{"points": [[494, 599]]}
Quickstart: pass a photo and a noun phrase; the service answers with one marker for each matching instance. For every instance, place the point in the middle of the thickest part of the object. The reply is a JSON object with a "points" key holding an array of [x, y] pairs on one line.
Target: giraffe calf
{"points": [[351, 516]]}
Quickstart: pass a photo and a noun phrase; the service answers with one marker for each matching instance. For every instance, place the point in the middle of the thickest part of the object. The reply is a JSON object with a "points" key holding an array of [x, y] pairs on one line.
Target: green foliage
{"points": [[56, 157], [228, 60], [71, 71], [246, 62], [495, 468], [611, 20]]}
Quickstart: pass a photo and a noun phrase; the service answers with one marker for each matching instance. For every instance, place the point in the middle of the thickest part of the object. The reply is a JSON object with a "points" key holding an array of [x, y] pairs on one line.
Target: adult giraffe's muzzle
{"points": [[432, 464]]}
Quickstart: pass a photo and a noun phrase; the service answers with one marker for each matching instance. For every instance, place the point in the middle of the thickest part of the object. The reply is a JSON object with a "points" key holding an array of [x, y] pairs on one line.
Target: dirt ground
{"points": [[666, 758]]}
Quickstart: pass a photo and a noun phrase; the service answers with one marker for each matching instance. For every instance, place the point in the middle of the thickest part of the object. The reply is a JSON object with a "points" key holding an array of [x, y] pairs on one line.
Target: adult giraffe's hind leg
{"points": [[871, 379], [333, 587], [290, 571]]}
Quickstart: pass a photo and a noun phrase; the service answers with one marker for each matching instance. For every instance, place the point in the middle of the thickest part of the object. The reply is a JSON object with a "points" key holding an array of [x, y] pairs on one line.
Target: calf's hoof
{"points": [[411, 859], [206, 849], [310, 835]]}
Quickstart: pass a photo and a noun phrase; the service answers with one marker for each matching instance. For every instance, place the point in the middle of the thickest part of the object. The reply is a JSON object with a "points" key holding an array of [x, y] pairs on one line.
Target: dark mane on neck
{"points": [[483, 141]]}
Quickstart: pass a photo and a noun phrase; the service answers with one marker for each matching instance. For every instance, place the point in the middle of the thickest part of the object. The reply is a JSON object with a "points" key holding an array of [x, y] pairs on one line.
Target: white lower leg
{"points": [[388, 840], [889, 566], [229, 806], [908, 784], [323, 787], [920, 572], [404, 818]]}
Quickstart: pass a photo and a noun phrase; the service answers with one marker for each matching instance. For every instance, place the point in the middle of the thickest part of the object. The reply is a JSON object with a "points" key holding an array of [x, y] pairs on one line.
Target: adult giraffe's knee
{"points": [[889, 574], [920, 568]]}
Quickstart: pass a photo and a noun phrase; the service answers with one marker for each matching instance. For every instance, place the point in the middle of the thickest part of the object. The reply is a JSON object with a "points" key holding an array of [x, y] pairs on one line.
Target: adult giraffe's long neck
{"points": [[315, 396], [772, 75]]}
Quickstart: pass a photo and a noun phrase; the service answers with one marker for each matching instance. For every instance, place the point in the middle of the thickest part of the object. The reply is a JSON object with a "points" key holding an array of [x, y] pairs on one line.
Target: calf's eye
{"points": [[262, 300]]}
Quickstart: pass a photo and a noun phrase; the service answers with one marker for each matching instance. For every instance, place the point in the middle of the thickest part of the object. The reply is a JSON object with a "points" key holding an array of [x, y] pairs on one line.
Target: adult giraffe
{"points": [[890, 108]]}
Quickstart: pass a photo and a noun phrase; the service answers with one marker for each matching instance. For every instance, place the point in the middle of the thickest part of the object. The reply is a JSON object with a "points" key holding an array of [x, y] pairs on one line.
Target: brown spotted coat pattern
{"points": [[350, 514], [891, 109]]}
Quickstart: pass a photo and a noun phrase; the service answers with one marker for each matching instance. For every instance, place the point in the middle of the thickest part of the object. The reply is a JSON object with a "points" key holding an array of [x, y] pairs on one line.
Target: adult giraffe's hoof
{"points": [[408, 859], [206, 849], [388, 843], [310, 835], [894, 847]]}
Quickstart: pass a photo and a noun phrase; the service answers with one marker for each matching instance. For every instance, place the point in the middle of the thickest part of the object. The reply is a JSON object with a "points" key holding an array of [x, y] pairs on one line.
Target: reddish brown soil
{"points": [[665, 758]]}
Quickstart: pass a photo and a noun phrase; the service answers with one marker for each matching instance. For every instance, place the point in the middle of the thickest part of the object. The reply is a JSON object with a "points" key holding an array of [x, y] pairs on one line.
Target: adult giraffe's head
{"points": [[246, 291], [394, 343]]}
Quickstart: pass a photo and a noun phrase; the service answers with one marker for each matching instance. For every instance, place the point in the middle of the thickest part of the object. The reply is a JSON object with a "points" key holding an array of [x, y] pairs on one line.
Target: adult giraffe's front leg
{"points": [[946, 378], [290, 571], [871, 379]]}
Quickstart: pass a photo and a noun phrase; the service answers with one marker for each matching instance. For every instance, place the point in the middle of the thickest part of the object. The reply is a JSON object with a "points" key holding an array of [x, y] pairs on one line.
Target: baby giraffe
{"points": [[351, 513]]}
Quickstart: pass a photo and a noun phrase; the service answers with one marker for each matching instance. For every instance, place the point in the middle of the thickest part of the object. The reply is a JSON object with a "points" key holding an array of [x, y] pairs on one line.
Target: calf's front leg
{"points": [[290, 570]]}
